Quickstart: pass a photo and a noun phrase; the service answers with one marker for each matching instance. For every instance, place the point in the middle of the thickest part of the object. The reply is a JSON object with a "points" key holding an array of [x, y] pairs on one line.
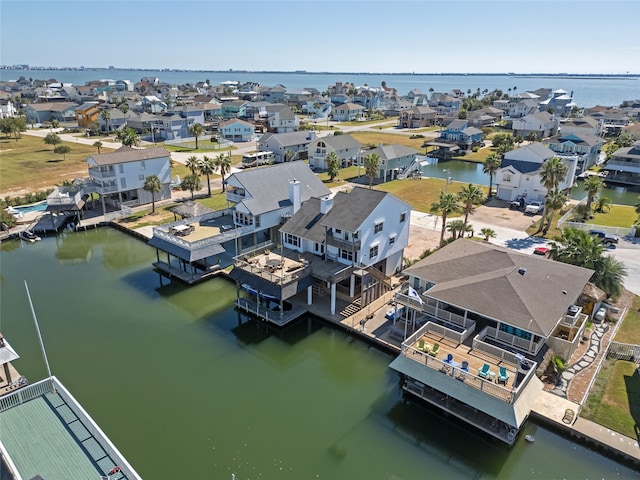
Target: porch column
{"points": [[104, 208], [309, 295], [333, 299], [352, 286]]}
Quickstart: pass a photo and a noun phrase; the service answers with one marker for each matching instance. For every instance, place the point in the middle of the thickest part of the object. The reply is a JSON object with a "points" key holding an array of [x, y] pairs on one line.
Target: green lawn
{"points": [[375, 138], [31, 164], [614, 401], [629, 331], [212, 151], [618, 216]]}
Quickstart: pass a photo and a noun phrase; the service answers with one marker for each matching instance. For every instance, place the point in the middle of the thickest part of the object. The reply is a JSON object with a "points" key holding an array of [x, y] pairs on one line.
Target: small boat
{"points": [[529, 438], [249, 289], [29, 236]]}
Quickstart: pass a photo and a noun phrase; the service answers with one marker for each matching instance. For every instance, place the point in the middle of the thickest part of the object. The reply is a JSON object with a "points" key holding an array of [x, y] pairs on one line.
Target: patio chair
{"points": [[434, 350], [484, 371], [421, 344], [465, 366], [449, 358], [503, 376]]}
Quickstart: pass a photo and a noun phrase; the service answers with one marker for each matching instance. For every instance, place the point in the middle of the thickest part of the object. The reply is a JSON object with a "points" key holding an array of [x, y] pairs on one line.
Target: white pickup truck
{"points": [[534, 207]]}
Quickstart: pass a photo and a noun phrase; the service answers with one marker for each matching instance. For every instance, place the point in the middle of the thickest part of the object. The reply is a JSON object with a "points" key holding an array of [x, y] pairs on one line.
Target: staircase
{"points": [[352, 308]]}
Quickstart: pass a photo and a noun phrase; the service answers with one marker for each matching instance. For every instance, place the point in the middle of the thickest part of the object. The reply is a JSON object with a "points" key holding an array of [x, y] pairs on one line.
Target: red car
{"points": [[542, 251]]}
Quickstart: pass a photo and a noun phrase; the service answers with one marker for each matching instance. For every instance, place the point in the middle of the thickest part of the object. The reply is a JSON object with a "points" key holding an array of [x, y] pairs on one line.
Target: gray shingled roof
{"points": [[351, 209], [486, 279], [128, 154], [269, 186], [306, 222], [388, 152], [340, 142]]}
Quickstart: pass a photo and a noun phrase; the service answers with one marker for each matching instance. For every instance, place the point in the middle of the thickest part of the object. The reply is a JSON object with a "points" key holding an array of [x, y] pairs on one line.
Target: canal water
{"points": [[461, 171], [188, 388]]}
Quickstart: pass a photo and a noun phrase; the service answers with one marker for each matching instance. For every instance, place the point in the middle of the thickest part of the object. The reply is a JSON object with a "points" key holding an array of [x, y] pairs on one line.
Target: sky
{"points": [[452, 36]]}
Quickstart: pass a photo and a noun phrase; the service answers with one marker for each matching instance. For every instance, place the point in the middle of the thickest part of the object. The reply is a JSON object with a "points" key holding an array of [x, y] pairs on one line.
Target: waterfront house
{"points": [[516, 107], [584, 148], [461, 134], [444, 104], [287, 147], [519, 173], [87, 113], [582, 125], [234, 109], [624, 166], [119, 176], [489, 345], [348, 112], [318, 108], [343, 246], [345, 147], [393, 160], [542, 124], [417, 117], [281, 119], [237, 130], [560, 103], [275, 94]]}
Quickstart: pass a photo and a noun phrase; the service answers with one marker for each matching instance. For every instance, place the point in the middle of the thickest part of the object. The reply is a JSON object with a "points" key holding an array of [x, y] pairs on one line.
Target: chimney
{"points": [[326, 203], [294, 195]]}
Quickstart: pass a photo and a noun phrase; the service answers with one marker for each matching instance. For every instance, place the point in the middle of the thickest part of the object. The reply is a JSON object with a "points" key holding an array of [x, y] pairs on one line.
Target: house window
{"points": [[141, 178], [373, 251], [292, 239], [142, 165], [338, 231], [392, 239], [403, 217], [506, 177], [123, 182], [378, 227], [121, 168], [346, 254]]}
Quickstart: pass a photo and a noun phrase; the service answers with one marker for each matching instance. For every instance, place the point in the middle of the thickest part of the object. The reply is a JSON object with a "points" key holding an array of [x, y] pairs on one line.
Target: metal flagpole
{"points": [[35, 320]]}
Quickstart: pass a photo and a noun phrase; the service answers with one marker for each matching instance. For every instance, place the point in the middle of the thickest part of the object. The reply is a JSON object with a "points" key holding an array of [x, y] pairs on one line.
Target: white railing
{"points": [[479, 344], [8, 462], [565, 223], [25, 394]]}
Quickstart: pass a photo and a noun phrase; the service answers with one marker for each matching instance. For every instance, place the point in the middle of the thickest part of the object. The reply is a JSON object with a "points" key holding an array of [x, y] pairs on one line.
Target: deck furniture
{"points": [[433, 351], [465, 366], [484, 370], [421, 344], [503, 376], [449, 358]]}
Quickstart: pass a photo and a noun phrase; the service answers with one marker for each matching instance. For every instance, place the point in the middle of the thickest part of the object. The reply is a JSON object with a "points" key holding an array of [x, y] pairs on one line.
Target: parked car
{"points": [[534, 207], [606, 238], [601, 314], [542, 251]]}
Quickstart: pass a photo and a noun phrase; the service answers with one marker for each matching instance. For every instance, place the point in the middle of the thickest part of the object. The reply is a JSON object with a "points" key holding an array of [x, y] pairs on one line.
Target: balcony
{"points": [[280, 268], [102, 172], [348, 245]]}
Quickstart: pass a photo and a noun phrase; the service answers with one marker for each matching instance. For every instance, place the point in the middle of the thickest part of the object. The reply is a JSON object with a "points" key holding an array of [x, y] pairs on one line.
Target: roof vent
{"points": [[522, 270]]}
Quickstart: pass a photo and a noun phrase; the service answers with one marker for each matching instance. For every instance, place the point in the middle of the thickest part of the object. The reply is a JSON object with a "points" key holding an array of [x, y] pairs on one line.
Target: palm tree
{"points": [[191, 183], [128, 137], [470, 196], [196, 130], [532, 137], [192, 164], [447, 203], [602, 203], [106, 116], [207, 167], [333, 164], [456, 227], [553, 172], [223, 164], [490, 167], [609, 275], [554, 201], [487, 233], [372, 167], [124, 108], [152, 184], [98, 145], [593, 184]]}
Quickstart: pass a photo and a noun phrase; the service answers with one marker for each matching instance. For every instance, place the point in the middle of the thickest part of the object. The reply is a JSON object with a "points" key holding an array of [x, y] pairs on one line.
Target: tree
{"points": [[223, 165], [500, 139], [191, 183], [196, 130], [602, 203], [62, 149], [447, 203], [98, 145], [372, 167], [552, 172], [593, 184], [333, 164], [490, 167], [105, 115], [128, 137], [192, 164], [532, 137], [553, 202], [207, 167], [52, 139], [470, 196], [153, 185], [457, 228], [609, 275], [519, 139], [487, 233], [55, 123]]}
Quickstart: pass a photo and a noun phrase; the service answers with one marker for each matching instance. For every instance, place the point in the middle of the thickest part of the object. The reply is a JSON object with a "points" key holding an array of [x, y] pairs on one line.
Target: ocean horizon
{"points": [[587, 89]]}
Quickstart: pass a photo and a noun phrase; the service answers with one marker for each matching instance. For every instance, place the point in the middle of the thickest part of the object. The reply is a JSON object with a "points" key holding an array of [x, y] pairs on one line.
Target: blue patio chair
{"points": [[449, 358], [503, 376], [465, 366], [484, 371]]}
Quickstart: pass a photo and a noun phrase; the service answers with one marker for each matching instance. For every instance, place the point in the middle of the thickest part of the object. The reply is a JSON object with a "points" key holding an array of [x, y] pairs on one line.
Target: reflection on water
{"points": [[469, 172], [180, 380]]}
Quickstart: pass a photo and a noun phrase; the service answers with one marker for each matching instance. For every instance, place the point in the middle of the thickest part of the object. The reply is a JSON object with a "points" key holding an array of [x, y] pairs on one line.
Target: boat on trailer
{"points": [[29, 236]]}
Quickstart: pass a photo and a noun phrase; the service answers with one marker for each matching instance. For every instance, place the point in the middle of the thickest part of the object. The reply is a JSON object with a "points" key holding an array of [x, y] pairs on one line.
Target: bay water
{"points": [[186, 387]]}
